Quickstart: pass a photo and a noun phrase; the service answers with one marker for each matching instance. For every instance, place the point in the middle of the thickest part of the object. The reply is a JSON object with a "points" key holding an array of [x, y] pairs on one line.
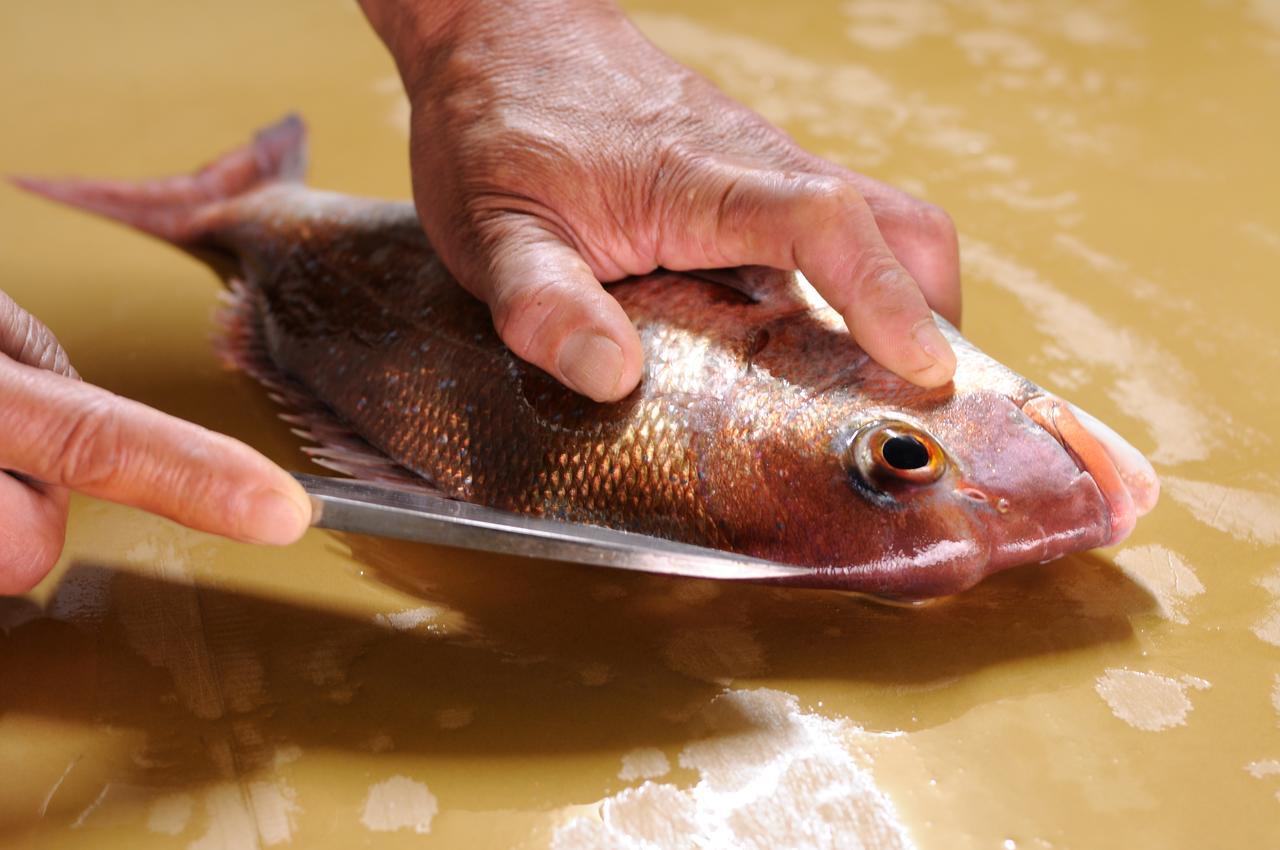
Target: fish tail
{"points": [[173, 208]]}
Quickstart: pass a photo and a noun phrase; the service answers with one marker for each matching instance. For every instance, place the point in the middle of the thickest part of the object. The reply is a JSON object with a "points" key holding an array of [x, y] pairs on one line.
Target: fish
{"points": [[759, 425]]}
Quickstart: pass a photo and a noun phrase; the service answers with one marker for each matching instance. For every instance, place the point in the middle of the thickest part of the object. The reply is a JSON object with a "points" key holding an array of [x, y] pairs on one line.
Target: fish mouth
{"points": [[1125, 478]]}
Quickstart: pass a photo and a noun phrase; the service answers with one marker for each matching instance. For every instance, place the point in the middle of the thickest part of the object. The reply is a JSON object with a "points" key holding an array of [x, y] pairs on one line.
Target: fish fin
{"points": [[761, 284], [171, 207], [241, 345]]}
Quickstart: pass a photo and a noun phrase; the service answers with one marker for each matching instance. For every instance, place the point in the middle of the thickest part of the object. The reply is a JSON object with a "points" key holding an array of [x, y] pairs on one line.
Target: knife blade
{"points": [[386, 510]]}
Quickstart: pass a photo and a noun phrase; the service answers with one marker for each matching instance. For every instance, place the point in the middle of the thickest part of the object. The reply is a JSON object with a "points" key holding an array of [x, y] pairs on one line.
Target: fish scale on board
{"points": [[760, 427]]}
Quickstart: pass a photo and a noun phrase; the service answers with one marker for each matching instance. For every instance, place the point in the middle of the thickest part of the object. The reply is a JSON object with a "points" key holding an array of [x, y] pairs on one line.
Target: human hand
{"points": [[554, 147], [60, 434]]}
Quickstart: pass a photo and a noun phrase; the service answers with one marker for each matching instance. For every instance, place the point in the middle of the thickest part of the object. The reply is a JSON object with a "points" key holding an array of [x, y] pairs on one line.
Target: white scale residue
{"points": [[715, 653], [1264, 769], [399, 803], [170, 814], [1268, 627], [275, 809], [1170, 580], [230, 823], [455, 717], [432, 619], [1246, 515], [644, 763], [408, 619], [1148, 701], [258, 814], [771, 776]]}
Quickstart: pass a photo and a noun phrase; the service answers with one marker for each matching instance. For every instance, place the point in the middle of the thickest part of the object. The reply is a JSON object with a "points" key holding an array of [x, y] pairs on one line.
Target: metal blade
{"points": [[390, 511]]}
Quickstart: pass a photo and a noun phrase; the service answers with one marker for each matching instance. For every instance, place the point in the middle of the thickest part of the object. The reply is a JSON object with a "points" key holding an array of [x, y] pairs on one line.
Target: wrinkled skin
{"points": [[553, 147]]}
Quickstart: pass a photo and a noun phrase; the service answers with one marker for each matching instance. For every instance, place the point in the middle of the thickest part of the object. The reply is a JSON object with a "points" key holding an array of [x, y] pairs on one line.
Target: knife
{"points": [[387, 510]]}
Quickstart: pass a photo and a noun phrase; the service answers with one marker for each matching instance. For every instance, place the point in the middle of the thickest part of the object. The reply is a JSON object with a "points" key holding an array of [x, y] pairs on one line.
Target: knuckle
{"points": [[935, 224], [688, 183], [678, 157], [187, 490], [523, 311], [880, 283], [830, 197], [736, 207], [89, 451]]}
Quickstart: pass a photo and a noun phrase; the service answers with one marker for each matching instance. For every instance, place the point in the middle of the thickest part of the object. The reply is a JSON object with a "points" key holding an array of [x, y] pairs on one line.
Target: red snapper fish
{"points": [[759, 426]]}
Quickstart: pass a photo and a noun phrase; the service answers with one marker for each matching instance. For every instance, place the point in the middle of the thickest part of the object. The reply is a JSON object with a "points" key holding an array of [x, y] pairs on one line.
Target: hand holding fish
{"points": [[554, 147], [62, 434]]}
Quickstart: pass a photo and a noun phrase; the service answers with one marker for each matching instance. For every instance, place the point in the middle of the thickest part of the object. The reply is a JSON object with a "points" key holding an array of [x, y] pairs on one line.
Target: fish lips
{"points": [[1124, 477], [1083, 488], [1096, 506]]}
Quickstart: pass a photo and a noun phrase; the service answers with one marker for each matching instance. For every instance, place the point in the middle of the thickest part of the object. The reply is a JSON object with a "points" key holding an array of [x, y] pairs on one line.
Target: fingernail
{"points": [[275, 518], [935, 345], [592, 364]]}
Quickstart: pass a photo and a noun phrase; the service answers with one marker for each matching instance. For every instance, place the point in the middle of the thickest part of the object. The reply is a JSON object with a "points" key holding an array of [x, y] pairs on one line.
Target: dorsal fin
{"points": [[762, 284]]}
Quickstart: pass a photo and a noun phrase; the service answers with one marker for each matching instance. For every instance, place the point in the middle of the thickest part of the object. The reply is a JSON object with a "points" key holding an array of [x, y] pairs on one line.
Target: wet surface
{"points": [[1110, 168]]}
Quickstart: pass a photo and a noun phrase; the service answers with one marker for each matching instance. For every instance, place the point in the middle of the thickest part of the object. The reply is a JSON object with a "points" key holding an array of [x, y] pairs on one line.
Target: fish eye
{"points": [[905, 452], [888, 451]]}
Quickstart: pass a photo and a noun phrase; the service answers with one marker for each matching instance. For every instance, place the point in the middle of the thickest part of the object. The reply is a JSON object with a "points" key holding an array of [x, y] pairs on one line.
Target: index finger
{"points": [[66, 433]]}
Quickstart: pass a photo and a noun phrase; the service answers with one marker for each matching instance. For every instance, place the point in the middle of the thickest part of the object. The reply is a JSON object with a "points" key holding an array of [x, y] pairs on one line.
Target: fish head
{"points": [[897, 491]]}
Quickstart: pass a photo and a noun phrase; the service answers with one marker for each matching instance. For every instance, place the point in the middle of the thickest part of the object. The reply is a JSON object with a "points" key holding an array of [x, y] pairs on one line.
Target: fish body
{"points": [[759, 425]]}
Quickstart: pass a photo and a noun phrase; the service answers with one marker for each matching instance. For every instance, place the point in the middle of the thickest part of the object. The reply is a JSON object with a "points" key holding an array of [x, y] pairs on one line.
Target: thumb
{"points": [[550, 310]]}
